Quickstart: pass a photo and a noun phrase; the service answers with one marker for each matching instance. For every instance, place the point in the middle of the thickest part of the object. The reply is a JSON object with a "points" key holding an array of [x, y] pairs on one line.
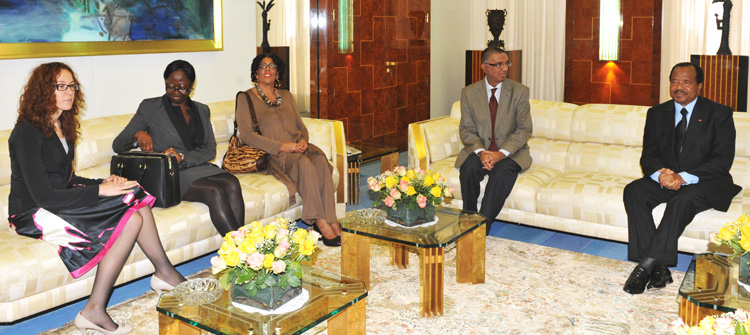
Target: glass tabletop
{"points": [[452, 224], [372, 151], [711, 282], [329, 295]]}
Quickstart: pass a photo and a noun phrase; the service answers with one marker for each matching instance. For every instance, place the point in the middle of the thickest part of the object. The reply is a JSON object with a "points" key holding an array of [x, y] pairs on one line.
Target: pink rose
{"points": [[421, 201], [403, 185], [278, 267], [448, 191], [282, 234], [315, 234], [255, 261], [374, 184], [395, 194], [389, 201], [217, 264], [281, 249], [400, 170]]}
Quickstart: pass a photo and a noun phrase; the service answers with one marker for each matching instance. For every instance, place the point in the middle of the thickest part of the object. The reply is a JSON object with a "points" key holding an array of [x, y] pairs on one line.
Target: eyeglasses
{"points": [[181, 89], [64, 87], [500, 64], [271, 66]]}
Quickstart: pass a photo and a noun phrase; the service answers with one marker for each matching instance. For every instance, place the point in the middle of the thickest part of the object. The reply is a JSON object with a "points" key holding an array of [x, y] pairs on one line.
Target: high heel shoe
{"points": [[84, 324], [329, 242], [159, 285]]}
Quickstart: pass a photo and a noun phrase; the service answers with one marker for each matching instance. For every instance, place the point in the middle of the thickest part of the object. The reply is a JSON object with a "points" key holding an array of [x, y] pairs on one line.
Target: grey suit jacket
{"points": [[513, 126], [152, 118]]}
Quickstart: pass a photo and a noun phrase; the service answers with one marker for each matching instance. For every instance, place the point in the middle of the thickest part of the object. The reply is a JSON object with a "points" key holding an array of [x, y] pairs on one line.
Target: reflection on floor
{"points": [[615, 250]]}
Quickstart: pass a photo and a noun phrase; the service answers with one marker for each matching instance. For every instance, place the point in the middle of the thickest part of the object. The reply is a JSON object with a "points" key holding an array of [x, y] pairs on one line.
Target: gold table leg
{"points": [[171, 326], [470, 253], [355, 257], [388, 162], [400, 256], [431, 281], [350, 321]]}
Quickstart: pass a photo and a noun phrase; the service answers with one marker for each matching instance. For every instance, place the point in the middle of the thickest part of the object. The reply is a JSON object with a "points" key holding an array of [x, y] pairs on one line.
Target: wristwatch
{"points": [[182, 156]]}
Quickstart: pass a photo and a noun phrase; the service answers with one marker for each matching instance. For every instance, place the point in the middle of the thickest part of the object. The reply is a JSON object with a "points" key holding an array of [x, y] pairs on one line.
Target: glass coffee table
{"points": [[454, 225], [338, 299], [710, 288]]}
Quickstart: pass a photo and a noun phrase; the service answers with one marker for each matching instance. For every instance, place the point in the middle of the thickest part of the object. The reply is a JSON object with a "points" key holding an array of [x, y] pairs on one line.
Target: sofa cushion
{"points": [[587, 196], [442, 138], [612, 124], [604, 158], [552, 119]]}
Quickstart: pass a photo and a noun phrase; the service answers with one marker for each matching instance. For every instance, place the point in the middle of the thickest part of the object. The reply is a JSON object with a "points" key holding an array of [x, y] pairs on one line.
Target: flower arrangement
{"points": [[736, 235], [734, 323], [409, 187], [257, 256]]}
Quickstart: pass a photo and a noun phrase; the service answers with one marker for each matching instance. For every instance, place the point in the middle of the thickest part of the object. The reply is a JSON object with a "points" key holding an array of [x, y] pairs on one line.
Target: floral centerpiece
{"points": [[735, 323], [409, 195], [261, 264], [736, 235]]}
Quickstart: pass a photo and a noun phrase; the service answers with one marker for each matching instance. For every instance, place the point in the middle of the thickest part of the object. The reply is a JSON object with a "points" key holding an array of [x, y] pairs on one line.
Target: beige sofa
{"points": [[33, 277], [583, 158]]}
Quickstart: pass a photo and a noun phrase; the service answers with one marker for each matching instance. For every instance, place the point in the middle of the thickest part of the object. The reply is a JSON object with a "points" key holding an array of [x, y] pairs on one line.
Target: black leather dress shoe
{"points": [[637, 280], [660, 277]]}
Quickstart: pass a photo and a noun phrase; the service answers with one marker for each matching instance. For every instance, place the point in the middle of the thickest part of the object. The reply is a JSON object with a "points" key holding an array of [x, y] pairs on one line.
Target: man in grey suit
{"points": [[495, 128]]}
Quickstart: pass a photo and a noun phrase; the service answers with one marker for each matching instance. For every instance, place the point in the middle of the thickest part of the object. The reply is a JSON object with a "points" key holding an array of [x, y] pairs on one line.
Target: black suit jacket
{"points": [[707, 152], [42, 173]]}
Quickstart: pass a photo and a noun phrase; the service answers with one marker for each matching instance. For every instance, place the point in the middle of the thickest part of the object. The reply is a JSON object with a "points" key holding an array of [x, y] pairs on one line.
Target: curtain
{"points": [[290, 26], [689, 28], [537, 27]]}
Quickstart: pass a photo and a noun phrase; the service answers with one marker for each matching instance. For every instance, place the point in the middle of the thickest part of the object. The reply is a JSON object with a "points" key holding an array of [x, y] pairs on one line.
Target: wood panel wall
{"points": [[634, 79], [382, 84]]}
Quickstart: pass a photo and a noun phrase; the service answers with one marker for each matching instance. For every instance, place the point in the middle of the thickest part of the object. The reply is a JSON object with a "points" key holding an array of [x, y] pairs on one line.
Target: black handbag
{"points": [[156, 172]]}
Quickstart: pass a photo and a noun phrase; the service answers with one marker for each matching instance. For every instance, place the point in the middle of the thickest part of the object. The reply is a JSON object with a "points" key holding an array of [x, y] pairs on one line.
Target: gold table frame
{"points": [[340, 300], [464, 228], [710, 288]]}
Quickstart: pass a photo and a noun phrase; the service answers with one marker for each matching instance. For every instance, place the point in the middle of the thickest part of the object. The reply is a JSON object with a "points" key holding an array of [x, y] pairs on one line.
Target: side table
{"points": [[710, 288]]}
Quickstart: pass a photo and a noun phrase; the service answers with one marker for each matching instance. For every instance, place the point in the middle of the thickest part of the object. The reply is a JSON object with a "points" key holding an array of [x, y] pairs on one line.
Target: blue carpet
{"points": [[615, 250]]}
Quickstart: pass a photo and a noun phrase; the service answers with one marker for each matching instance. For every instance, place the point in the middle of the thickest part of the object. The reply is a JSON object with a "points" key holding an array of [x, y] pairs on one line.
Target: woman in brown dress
{"points": [[300, 165]]}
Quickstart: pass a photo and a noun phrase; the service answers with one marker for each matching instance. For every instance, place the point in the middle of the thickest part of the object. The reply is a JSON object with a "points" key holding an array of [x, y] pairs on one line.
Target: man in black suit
{"points": [[688, 149]]}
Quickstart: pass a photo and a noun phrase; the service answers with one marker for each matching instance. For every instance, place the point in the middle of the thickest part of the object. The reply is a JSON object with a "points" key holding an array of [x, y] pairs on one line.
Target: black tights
{"points": [[223, 196]]}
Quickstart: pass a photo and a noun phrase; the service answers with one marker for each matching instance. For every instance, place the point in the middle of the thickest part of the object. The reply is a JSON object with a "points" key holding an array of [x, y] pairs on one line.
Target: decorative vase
{"points": [[411, 217], [744, 276], [269, 298]]}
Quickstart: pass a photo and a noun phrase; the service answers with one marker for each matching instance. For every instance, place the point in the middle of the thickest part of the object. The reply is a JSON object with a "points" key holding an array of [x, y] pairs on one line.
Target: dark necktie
{"points": [[679, 134], [493, 116]]}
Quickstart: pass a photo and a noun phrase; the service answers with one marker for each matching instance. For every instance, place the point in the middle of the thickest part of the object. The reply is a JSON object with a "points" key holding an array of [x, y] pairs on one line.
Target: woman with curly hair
{"points": [[93, 221]]}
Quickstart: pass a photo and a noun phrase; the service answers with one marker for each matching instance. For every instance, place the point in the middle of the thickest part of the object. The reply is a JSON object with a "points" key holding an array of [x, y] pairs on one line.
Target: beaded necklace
{"points": [[265, 98]]}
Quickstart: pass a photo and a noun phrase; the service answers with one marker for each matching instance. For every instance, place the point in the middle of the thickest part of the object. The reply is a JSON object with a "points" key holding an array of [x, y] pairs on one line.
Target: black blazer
{"points": [[707, 152], [42, 173]]}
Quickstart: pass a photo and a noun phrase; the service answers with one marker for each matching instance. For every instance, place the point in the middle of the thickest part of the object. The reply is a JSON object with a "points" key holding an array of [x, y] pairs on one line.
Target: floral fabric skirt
{"points": [[84, 235]]}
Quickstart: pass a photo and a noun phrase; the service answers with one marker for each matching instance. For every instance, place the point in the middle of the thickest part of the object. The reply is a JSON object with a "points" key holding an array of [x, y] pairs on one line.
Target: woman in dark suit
{"points": [[176, 125], [300, 165], [49, 201]]}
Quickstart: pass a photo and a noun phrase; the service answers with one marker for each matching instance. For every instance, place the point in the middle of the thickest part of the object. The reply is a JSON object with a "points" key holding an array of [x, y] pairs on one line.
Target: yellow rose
{"points": [[307, 247], [226, 247], [725, 234], [299, 236], [232, 258], [745, 242], [410, 174], [436, 192], [390, 182], [270, 231], [247, 247], [268, 262], [428, 181], [411, 191], [255, 225]]}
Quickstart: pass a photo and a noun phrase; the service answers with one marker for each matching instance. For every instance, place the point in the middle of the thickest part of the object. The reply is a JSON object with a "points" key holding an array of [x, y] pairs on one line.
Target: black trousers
{"points": [[644, 238], [502, 178]]}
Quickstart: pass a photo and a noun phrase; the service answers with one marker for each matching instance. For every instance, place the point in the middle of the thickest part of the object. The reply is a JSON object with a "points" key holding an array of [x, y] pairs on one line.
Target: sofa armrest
{"points": [[329, 136], [433, 140]]}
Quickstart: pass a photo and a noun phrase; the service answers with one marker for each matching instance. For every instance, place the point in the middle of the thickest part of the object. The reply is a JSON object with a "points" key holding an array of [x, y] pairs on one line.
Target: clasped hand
{"points": [[670, 180], [146, 143], [116, 185], [489, 158], [300, 146]]}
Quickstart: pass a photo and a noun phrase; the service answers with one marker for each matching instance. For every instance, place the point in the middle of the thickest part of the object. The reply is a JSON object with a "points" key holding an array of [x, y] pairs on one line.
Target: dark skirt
{"points": [[83, 234]]}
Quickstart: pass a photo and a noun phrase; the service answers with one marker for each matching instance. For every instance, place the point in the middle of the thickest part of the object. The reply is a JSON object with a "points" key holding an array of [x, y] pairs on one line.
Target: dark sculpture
{"points": [[496, 21], [266, 24], [723, 25]]}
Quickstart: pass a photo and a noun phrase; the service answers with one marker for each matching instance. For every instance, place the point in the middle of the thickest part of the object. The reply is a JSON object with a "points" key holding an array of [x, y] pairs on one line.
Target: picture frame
{"points": [[93, 48]]}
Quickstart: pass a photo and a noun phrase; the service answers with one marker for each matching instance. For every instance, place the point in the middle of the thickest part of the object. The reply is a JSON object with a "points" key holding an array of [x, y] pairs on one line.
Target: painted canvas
{"points": [[105, 20]]}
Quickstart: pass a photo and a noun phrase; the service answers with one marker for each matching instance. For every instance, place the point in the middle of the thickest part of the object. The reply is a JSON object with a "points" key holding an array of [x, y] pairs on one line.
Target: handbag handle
{"points": [[141, 170], [252, 112]]}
